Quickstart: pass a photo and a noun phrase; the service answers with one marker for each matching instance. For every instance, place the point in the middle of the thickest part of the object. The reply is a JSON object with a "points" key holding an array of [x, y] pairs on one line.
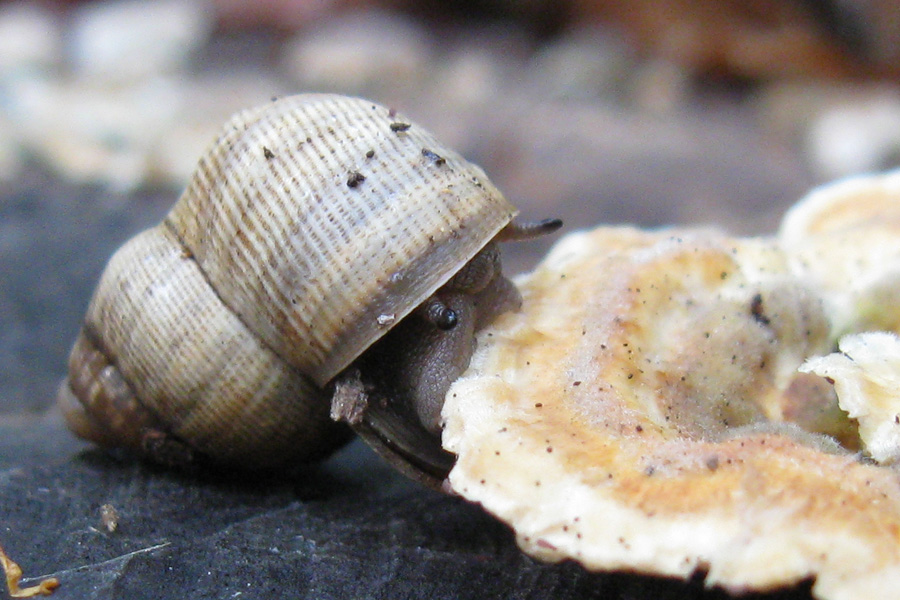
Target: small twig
{"points": [[14, 574]]}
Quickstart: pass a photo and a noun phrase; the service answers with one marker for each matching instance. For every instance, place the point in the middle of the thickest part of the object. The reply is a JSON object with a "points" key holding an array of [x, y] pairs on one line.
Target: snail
{"points": [[329, 262]]}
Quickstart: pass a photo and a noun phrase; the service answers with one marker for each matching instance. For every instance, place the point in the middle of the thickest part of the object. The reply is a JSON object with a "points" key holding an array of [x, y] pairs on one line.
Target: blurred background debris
{"points": [[126, 93], [649, 112]]}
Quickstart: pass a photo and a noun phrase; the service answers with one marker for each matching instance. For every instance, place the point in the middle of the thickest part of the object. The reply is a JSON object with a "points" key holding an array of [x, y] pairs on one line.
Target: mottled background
{"points": [[652, 112]]}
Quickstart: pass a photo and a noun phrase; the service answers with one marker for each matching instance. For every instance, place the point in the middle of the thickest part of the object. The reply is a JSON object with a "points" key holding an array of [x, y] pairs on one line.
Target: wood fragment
{"points": [[109, 516]]}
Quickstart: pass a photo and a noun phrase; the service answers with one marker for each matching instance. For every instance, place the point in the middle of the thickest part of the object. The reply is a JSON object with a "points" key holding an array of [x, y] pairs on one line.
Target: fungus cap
{"points": [[644, 411]]}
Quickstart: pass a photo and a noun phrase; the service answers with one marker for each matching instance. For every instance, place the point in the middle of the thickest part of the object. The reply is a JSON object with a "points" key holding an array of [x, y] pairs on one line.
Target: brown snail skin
{"points": [[329, 261]]}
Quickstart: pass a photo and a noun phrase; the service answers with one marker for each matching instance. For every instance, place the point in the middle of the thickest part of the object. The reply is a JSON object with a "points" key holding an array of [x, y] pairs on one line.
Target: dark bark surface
{"points": [[350, 528]]}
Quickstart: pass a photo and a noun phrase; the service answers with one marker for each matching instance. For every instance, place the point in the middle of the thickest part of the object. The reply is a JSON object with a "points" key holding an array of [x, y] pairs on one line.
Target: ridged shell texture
{"points": [[341, 218]]}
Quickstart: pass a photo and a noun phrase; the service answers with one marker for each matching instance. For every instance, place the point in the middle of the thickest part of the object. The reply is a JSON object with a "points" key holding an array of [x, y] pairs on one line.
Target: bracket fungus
{"points": [[646, 409]]}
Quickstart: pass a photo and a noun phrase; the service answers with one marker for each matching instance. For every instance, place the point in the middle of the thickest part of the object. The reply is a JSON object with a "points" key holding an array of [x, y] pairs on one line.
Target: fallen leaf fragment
{"points": [[14, 574]]}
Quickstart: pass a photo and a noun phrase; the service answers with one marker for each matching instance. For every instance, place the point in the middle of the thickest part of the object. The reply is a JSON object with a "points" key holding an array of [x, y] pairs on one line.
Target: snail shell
{"points": [[311, 226]]}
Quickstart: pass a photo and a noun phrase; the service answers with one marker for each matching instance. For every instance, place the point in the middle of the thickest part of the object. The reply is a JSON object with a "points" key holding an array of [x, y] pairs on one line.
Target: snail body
{"points": [[311, 228]]}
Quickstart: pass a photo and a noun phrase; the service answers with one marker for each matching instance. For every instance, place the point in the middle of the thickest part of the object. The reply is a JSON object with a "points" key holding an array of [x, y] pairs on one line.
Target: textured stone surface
{"points": [[351, 528]]}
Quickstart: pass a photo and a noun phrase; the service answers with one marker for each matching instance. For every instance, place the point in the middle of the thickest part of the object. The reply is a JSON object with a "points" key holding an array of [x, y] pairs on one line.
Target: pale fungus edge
{"points": [[741, 543], [866, 376]]}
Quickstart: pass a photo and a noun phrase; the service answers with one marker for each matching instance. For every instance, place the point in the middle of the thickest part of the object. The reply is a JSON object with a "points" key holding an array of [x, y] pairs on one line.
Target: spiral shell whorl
{"points": [[190, 364], [341, 218]]}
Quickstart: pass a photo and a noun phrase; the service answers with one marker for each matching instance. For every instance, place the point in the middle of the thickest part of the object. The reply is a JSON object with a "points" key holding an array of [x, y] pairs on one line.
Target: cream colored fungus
{"points": [[644, 410]]}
